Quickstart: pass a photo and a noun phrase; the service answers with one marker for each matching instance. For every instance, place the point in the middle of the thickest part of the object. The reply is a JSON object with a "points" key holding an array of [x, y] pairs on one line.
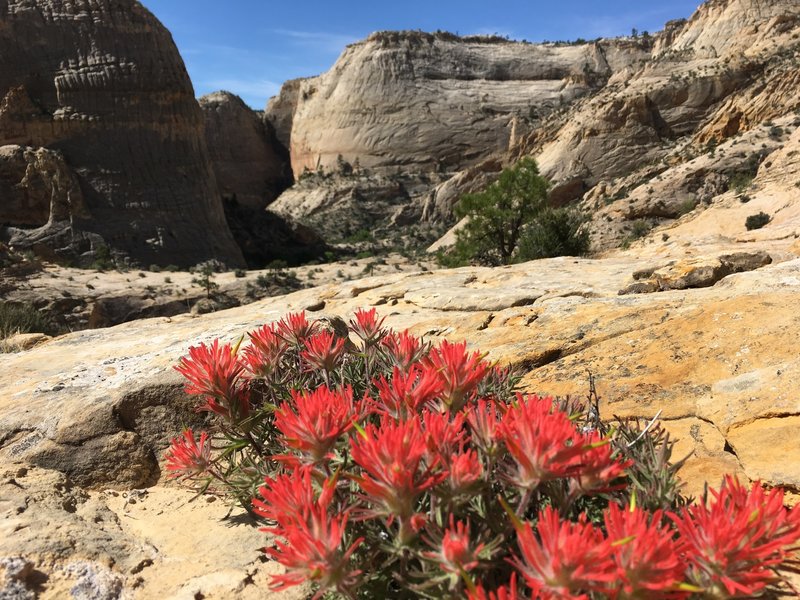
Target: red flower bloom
{"points": [[406, 393], [598, 467], [464, 471], [295, 328], [444, 435], [645, 554], [542, 441], [215, 373], [456, 554], [732, 542], [508, 592], [459, 371], [316, 421], [264, 353], [309, 540], [403, 349], [367, 326], [568, 560], [483, 419], [187, 456], [391, 457], [324, 350], [287, 497]]}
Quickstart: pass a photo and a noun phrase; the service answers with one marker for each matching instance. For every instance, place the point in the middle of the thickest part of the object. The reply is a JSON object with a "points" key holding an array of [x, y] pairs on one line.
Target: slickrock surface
{"points": [[103, 84], [98, 407]]}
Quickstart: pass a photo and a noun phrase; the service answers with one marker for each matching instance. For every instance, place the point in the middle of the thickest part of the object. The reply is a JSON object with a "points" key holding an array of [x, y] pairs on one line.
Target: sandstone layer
{"points": [[435, 101], [102, 83], [724, 77], [424, 106]]}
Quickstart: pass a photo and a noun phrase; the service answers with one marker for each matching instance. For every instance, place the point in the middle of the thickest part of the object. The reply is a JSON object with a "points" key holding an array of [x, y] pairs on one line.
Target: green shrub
{"points": [[740, 181], [554, 232], [756, 221], [640, 228], [22, 318], [239, 273]]}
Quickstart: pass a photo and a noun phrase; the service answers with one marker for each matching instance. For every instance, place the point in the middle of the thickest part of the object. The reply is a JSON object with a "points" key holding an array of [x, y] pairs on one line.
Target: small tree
{"points": [[205, 276], [499, 214]]}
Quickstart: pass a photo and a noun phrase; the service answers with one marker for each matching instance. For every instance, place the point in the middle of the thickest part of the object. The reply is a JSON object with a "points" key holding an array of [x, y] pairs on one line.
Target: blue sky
{"points": [[250, 47]]}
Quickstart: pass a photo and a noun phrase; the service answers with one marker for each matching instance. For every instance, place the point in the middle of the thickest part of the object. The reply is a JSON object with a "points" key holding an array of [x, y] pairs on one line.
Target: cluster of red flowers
{"points": [[394, 464]]}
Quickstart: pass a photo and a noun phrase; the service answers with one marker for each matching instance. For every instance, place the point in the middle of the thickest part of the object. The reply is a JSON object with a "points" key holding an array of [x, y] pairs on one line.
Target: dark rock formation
{"points": [[250, 165], [102, 83], [252, 169], [265, 236]]}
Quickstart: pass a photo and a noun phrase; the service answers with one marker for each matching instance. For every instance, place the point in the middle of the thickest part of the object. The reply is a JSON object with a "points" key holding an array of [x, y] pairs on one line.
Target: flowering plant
{"points": [[386, 467]]}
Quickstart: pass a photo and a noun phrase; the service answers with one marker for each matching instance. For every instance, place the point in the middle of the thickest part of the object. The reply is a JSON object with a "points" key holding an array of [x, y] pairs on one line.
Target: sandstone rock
{"points": [[702, 80], [719, 362], [264, 235], [24, 341], [60, 541], [281, 108], [250, 165], [424, 106], [104, 85], [695, 273], [339, 206], [37, 186], [438, 204]]}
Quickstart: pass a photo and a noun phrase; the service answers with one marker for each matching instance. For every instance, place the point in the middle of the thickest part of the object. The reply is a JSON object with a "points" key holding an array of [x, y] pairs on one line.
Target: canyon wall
{"points": [[101, 82]]}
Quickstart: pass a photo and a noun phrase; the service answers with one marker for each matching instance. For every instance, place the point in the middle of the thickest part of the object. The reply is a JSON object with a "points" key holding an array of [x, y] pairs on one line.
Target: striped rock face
{"points": [[103, 84]]}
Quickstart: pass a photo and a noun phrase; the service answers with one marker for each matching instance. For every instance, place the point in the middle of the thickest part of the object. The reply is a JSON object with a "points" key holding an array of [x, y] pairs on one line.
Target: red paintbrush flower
{"points": [[645, 553], [403, 349], [732, 542], [295, 328], [286, 497], [464, 472], [367, 326], [598, 466], [444, 435], [323, 350], [264, 353], [542, 441], [508, 592], [310, 541], [484, 418], [459, 371], [313, 422], [456, 553], [406, 393], [215, 373], [566, 560], [188, 457], [394, 474]]}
